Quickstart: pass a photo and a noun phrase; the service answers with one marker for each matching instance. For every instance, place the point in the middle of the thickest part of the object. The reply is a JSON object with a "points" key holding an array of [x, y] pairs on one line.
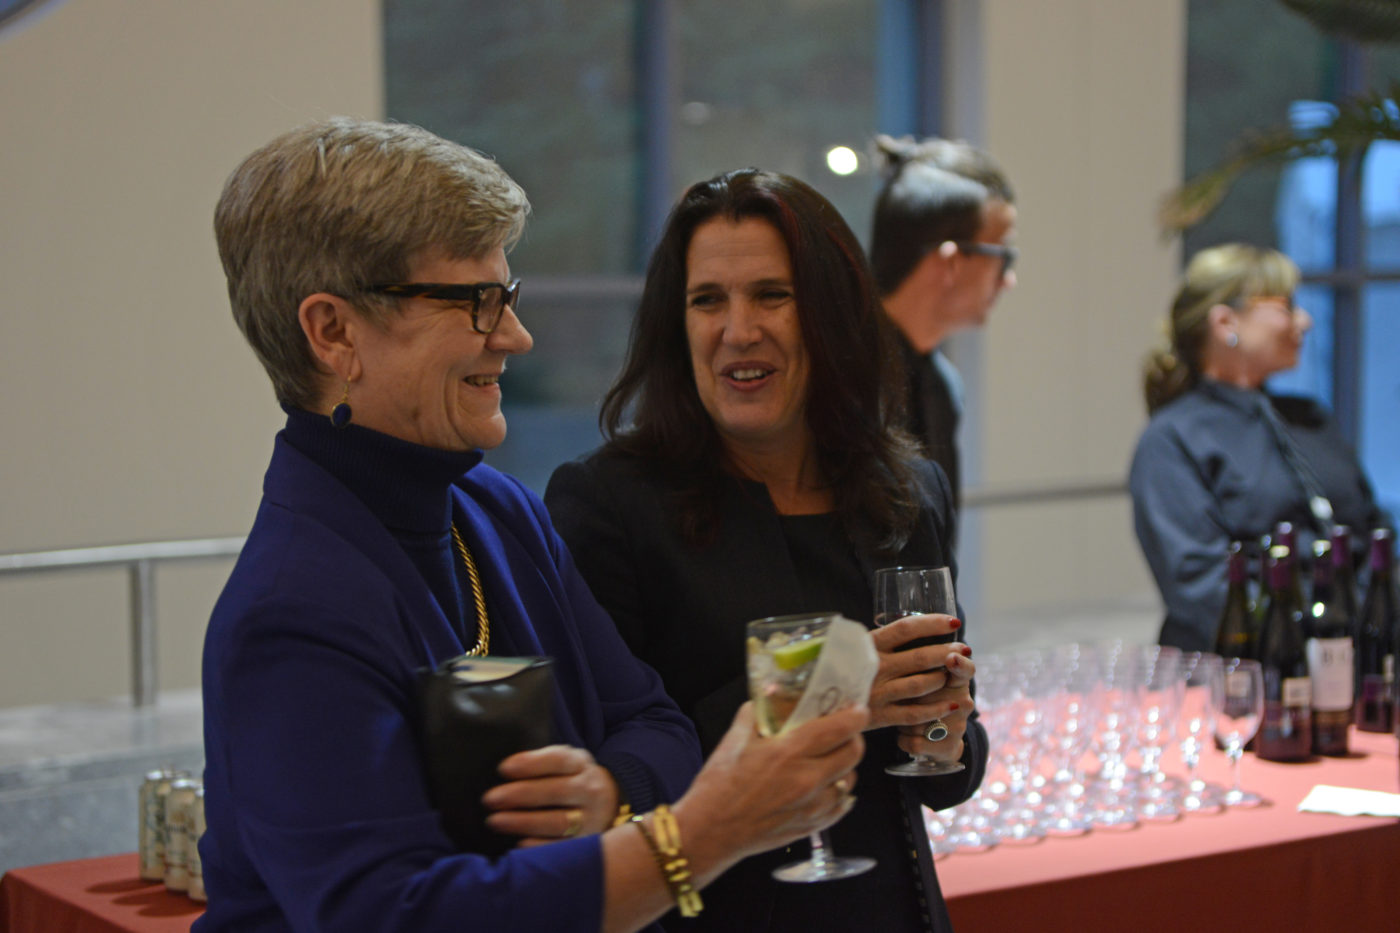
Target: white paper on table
{"points": [[1350, 801], [843, 675]]}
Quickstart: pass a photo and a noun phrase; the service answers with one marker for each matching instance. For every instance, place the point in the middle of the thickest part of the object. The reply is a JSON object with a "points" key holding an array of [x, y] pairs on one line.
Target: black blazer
{"points": [[682, 608]]}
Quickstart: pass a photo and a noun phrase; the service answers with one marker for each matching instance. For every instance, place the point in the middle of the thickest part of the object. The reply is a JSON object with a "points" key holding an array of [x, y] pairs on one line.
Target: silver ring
{"points": [[936, 731]]}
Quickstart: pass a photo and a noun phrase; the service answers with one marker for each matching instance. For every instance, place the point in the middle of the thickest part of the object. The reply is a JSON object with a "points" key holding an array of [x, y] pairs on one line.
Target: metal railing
{"points": [[140, 561]]}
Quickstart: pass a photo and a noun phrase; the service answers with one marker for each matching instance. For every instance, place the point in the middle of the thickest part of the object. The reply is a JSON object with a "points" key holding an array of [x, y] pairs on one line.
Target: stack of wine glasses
{"points": [[1079, 734]]}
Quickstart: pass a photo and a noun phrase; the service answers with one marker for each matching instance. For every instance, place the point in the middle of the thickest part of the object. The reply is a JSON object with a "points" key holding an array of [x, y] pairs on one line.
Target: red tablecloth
{"points": [[95, 895], [1267, 868], [1270, 868]]}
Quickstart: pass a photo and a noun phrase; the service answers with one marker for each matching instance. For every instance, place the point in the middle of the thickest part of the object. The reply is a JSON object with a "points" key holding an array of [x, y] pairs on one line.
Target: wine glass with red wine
{"points": [[908, 591]]}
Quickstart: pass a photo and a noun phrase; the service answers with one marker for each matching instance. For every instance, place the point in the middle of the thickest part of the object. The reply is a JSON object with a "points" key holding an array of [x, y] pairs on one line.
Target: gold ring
{"points": [[936, 731], [843, 786], [575, 817]]}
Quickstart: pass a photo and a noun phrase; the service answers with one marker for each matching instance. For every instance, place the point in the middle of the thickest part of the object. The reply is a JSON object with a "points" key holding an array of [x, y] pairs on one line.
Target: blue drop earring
{"points": [[340, 414]]}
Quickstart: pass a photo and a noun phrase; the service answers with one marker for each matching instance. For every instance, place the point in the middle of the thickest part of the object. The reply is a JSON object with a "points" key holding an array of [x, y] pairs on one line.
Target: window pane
{"points": [[777, 87], [1313, 374], [1248, 61], [548, 89], [1380, 391], [1380, 205]]}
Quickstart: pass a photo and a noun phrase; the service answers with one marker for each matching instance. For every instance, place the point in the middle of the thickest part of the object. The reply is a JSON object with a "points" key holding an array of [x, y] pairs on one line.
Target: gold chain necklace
{"points": [[483, 627]]}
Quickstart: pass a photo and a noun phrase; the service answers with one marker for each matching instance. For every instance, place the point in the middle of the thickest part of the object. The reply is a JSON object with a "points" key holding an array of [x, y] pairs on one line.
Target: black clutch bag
{"points": [[478, 711]]}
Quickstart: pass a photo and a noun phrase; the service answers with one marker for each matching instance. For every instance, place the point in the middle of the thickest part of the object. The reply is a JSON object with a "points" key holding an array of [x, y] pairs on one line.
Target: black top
{"points": [[682, 608], [932, 410], [1209, 470]]}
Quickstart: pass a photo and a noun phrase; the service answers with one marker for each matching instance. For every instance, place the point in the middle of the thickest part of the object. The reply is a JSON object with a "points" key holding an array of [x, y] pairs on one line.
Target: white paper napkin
{"points": [[843, 675], [1350, 801]]}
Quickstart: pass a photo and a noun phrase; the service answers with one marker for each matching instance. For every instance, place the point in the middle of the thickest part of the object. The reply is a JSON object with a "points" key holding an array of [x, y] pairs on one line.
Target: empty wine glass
{"points": [[1114, 794], [1237, 694], [1072, 711], [1198, 668], [1156, 729], [907, 591], [782, 654]]}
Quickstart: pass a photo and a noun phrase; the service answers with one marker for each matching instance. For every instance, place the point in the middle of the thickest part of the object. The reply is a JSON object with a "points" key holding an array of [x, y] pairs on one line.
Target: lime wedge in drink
{"points": [[797, 653]]}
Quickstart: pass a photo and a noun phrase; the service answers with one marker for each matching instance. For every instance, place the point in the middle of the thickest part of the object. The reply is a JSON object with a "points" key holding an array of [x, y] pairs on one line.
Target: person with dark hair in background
{"points": [[366, 266], [940, 247], [754, 467], [1222, 459]]}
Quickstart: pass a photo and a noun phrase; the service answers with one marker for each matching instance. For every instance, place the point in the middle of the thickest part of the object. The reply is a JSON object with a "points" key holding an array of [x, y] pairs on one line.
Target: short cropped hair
{"points": [[934, 191], [338, 206]]}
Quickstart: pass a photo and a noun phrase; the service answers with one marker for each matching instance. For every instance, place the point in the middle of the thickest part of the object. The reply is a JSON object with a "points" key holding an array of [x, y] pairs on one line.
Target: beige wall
{"points": [[1084, 110], [131, 408]]}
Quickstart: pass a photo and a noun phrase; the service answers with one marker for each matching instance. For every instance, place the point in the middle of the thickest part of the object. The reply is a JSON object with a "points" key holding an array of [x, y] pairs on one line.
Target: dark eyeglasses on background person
{"points": [[1007, 254]]}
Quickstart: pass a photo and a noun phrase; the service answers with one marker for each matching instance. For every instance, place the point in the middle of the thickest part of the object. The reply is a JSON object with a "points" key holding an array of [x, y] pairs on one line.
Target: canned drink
{"points": [[151, 850], [196, 866], [179, 810]]}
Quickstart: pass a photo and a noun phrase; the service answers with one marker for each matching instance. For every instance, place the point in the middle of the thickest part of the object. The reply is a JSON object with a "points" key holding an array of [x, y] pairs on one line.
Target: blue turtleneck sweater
{"points": [[316, 802]]}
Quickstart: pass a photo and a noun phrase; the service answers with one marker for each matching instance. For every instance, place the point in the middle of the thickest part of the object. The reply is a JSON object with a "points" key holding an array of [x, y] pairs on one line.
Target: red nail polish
{"points": [[952, 706], [966, 651], [955, 625]]}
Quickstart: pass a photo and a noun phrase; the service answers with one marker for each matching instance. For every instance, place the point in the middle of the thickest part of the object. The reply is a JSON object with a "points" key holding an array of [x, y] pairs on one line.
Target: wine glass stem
{"points": [[1236, 752], [819, 853]]}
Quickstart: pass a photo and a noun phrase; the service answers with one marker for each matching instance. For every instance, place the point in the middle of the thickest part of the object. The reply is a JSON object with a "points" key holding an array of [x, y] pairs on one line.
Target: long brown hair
{"points": [[853, 391]]}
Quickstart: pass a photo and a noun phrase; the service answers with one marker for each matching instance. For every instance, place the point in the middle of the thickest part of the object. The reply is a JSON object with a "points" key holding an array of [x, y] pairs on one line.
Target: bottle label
{"points": [[1285, 733], [1331, 672], [1296, 692]]}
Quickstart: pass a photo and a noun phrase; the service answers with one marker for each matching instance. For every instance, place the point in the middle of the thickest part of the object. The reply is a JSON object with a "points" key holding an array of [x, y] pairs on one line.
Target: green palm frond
{"points": [[1362, 20], [1360, 121]]}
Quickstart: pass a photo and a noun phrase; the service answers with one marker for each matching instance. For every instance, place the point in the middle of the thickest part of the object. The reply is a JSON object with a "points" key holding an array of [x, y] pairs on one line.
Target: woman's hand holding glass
{"points": [[756, 793], [904, 598]]}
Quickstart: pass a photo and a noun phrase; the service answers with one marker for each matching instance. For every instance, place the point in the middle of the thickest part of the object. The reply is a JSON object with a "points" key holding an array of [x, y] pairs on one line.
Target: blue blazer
{"points": [[316, 801]]}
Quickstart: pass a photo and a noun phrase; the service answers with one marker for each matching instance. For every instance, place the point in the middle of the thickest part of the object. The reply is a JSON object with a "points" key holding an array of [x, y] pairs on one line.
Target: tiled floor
{"points": [[69, 773]]}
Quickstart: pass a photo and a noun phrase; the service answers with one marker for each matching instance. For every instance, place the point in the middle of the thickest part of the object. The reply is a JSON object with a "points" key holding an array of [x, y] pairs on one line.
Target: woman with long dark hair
{"points": [[753, 468]]}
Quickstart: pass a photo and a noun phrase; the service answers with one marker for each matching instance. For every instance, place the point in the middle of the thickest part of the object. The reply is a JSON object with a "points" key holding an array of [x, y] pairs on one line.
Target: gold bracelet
{"points": [[624, 814], [666, 849]]}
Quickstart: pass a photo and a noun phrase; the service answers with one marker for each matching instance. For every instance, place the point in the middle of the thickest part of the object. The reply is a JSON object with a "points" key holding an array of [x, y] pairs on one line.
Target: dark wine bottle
{"points": [[1331, 667], [1286, 731], [1375, 634], [1344, 570], [1260, 565], [1236, 635]]}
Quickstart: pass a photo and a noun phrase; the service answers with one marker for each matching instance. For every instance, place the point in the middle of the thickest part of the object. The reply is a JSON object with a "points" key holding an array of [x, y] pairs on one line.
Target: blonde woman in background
{"points": [[1223, 459]]}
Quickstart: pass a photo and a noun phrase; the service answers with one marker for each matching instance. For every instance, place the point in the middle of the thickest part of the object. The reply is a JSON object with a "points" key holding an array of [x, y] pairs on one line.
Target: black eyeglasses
{"points": [[485, 299], [1007, 254]]}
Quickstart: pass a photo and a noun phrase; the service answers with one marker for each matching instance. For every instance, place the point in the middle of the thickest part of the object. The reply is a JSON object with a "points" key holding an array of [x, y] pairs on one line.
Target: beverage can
{"points": [[179, 812], [151, 821], [196, 866]]}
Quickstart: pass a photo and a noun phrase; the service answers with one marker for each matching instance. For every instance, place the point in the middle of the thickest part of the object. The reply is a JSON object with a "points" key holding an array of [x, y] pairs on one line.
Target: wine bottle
{"points": [[1330, 663], [1286, 535], [1236, 635], [1261, 583], [1344, 570], [1286, 731], [1375, 634]]}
